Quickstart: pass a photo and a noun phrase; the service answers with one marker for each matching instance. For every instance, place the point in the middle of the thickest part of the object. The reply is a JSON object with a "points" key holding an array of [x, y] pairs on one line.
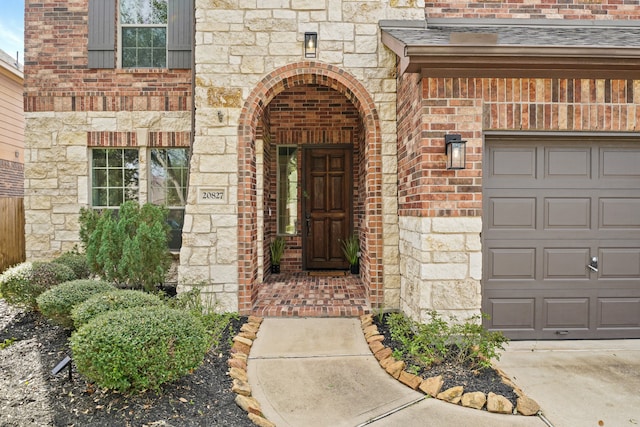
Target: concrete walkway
{"points": [[319, 372], [579, 383]]}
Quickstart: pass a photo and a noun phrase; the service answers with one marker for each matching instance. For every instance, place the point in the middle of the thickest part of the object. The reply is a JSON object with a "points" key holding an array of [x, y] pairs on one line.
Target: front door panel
{"points": [[327, 205]]}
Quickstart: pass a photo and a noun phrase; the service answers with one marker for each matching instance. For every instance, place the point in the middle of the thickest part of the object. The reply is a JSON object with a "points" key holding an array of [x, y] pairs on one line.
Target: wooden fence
{"points": [[12, 246]]}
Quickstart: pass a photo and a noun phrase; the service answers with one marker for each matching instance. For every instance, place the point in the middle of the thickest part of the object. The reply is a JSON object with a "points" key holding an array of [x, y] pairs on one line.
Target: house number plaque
{"points": [[212, 195]]}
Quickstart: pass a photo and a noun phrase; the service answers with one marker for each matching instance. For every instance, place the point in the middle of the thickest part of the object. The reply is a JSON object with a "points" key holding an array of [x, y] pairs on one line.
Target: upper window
{"points": [[143, 27], [150, 33], [115, 177]]}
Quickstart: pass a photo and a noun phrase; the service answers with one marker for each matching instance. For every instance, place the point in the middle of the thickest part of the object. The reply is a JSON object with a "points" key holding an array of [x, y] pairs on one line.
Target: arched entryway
{"points": [[343, 95]]}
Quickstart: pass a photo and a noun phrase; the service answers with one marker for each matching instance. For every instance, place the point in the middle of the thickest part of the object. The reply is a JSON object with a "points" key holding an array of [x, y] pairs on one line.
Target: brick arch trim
{"points": [[289, 76]]}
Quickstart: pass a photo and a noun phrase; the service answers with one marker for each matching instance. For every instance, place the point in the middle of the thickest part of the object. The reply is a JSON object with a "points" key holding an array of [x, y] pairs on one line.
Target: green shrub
{"points": [[139, 348], [49, 274], [88, 223], [15, 282], [77, 262], [188, 301], [119, 299], [29, 280], [421, 345], [57, 303], [476, 346], [129, 248], [215, 323]]}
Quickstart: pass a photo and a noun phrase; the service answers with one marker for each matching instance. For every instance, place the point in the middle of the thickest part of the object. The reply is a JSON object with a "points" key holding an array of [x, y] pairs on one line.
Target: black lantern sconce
{"points": [[456, 152], [310, 45]]}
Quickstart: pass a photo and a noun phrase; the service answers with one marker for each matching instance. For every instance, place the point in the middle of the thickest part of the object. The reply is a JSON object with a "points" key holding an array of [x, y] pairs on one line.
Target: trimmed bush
{"points": [[56, 303], [48, 274], [110, 301], [139, 348], [15, 282], [77, 262], [32, 279]]}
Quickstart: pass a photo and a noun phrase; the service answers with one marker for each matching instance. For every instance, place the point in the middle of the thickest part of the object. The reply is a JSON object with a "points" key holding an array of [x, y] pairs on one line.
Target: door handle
{"points": [[308, 220], [593, 265]]}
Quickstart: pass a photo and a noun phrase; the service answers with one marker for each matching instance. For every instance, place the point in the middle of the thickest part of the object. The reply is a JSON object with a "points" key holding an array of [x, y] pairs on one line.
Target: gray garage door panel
{"points": [[565, 313], [587, 316], [620, 213], [618, 313], [551, 205], [564, 162]]}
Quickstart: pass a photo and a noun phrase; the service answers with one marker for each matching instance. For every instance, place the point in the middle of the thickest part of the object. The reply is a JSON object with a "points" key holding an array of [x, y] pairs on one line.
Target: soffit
{"points": [[517, 47]]}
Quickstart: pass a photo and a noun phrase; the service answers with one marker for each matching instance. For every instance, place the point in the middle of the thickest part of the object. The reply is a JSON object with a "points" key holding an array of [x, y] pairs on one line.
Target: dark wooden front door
{"points": [[327, 201]]}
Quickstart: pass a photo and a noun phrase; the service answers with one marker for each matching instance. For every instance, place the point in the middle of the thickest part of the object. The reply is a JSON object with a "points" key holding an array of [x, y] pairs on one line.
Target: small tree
{"points": [[131, 248]]}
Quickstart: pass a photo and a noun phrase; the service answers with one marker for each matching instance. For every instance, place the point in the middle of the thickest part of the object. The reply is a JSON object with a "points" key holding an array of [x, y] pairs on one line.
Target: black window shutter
{"points": [[180, 33], [102, 22]]}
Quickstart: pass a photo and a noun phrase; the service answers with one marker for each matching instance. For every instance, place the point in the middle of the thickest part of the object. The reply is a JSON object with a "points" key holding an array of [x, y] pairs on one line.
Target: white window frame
{"points": [[91, 173], [119, 41]]}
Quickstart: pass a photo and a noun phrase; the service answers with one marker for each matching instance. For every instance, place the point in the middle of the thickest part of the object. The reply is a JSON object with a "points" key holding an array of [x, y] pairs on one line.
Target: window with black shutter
{"points": [[151, 33]]}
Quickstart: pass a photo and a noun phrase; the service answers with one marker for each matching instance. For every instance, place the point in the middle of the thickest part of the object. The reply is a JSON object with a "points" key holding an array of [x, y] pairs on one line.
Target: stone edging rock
{"points": [[238, 371], [432, 386]]}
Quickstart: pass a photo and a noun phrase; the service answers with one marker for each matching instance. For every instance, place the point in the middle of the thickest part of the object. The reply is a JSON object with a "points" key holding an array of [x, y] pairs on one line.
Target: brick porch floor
{"points": [[304, 295]]}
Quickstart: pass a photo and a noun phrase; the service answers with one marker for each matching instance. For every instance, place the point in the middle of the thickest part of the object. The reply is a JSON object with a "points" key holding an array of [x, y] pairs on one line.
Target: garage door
{"points": [[561, 237]]}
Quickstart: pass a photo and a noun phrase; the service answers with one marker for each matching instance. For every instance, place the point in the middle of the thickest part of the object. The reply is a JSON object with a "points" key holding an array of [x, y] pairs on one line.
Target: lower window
{"points": [[116, 178], [169, 170]]}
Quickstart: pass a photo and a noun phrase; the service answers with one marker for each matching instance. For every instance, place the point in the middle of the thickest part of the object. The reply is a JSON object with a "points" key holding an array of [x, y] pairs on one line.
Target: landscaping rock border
{"points": [[237, 363], [432, 386]]}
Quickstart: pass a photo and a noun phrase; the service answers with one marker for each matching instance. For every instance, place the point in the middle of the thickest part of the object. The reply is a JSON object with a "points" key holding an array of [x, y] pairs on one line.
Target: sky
{"points": [[12, 27]]}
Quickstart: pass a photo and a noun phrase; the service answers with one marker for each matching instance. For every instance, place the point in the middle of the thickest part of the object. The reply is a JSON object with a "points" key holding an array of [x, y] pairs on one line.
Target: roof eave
{"points": [[515, 61]]}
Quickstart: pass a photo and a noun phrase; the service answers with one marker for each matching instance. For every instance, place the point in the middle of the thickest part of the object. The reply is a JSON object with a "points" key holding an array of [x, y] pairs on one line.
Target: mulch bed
{"points": [[453, 374], [203, 398]]}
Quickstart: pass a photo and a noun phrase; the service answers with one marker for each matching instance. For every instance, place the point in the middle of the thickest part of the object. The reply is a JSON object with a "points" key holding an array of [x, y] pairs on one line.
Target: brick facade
{"points": [[535, 9], [471, 106], [303, 115], [419, 223], [70, 108], [11, 179], [58, 79], [441, 210]]}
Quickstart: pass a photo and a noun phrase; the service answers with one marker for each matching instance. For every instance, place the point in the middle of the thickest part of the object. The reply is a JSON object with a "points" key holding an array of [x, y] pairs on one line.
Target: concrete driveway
{"points": [[320, 372], [579, 383]]}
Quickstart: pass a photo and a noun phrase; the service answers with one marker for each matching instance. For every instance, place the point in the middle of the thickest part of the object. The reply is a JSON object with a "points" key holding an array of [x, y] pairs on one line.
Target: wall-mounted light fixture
{"points": [[456, 151], [310, 45]]}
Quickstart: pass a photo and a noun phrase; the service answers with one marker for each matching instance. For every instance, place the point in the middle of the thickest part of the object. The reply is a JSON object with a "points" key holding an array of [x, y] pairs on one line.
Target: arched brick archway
{"points": [[304, 73]]}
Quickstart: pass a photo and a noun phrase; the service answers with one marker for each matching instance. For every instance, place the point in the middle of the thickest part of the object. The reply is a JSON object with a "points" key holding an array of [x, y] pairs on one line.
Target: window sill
{"points": [[141, 70]]}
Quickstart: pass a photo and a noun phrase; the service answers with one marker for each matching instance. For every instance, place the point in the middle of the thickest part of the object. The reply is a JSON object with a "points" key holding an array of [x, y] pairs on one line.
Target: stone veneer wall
{"points": [[440, 266], [237, 45], [57, 172]]}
